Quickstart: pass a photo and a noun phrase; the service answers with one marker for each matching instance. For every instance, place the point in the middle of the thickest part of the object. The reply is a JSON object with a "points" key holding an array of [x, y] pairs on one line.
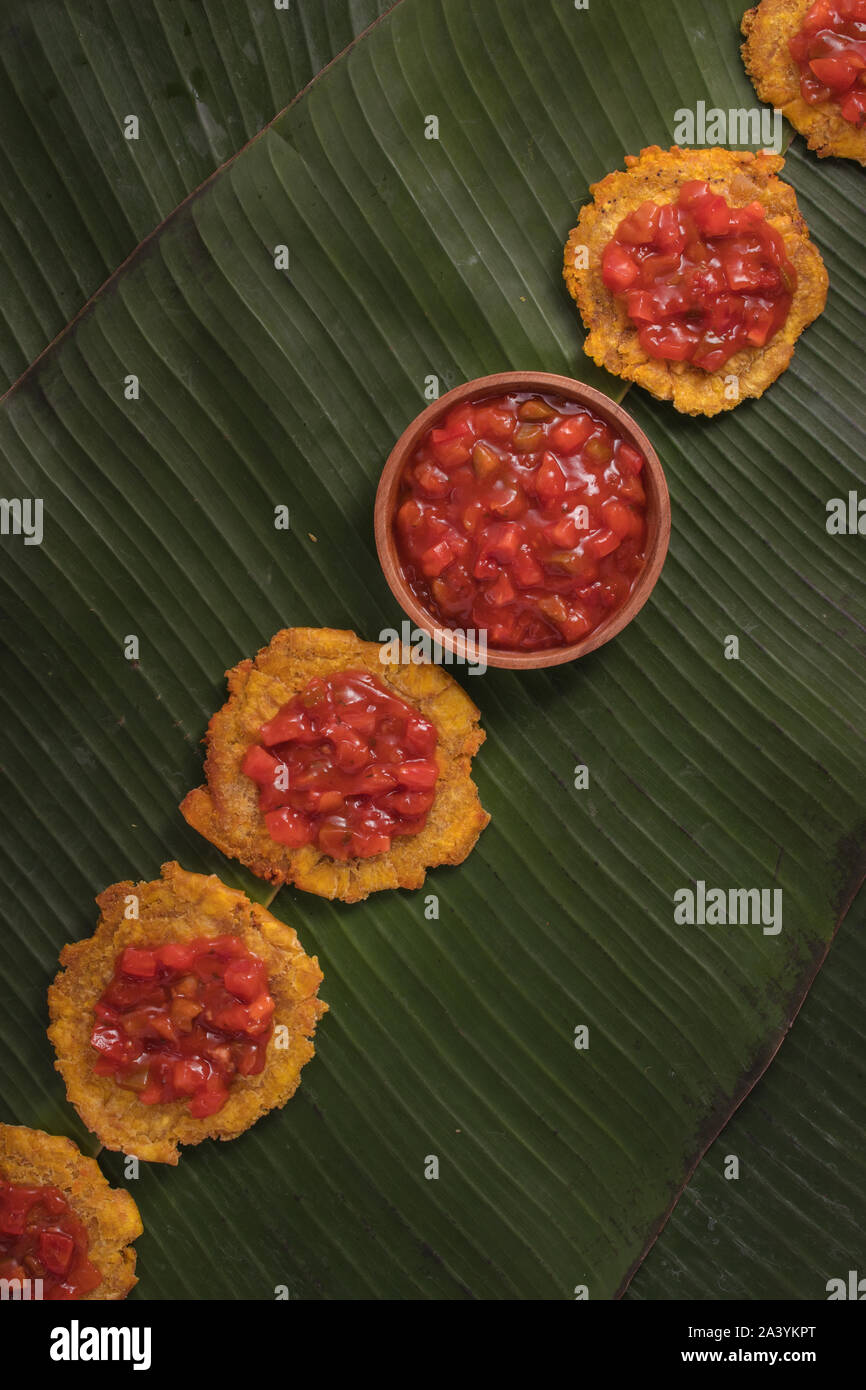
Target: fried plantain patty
{"points": [[226, 810], [180, 906], [657, 175], [776, 79], [109, 1215]]}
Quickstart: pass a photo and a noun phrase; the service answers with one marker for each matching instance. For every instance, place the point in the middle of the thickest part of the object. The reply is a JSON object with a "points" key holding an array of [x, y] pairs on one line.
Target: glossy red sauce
{"points": [[346, 765], [180, 1020], [700, 279], [830, 53], [42, 1238], [523, 516]]}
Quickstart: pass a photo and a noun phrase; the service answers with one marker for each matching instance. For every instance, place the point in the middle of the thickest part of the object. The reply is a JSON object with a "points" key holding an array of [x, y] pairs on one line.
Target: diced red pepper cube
{"points": [[140, 964]]}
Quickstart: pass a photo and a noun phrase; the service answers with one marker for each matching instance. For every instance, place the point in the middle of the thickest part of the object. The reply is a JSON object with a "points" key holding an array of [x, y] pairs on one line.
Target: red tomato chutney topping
{"points": [[830, 51], [700, 279], [179, 1021], [42, 1238], [522, 515], [345, 765]]}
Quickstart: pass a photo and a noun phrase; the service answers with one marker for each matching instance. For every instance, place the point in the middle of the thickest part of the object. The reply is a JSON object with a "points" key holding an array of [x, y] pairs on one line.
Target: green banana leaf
{"points": [[794, 1219], [203, 77], [452, 1037]]}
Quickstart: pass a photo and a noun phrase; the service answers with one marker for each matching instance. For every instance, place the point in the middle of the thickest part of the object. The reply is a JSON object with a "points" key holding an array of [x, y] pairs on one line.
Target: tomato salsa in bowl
{"points": [[527, 506]]}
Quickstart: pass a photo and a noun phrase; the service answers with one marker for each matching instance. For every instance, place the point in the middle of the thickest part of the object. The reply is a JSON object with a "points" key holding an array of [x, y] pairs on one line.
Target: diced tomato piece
{"points": [[641, 305], [836, 73], [284, 727], [494, 423], [526, 569], [506, 500], [410, 515], [622, 520], [742, 271], [270, 798], [710, 355], [603, 542], [376, 779], [259, 764], [260, 1010], [672, 342], [501, 541], [462, 418], [820, 15], [563, 533], [760, 324], [208, 1102], [420, 734], [712, 215], [289, 827], [360, 716], [501, 591], [250, 1060], [549, 480], [246, 978], [853, 108], [335, 839], [631, 489], [433, 481], [575, 624], [419, 774], [141, 965], [485, 567], [366, 843], [639, 227], [693, 191], [571, 433], [798, 47], [55, 1250], [411, 803], [628, 459], [227, 947], [189, 1074], [458, 425], [352, 751], [751, 214], [437, 558], [234, 1018], [453, 453], [473, 515], [177, 955], [670, 236], [619, 270]]}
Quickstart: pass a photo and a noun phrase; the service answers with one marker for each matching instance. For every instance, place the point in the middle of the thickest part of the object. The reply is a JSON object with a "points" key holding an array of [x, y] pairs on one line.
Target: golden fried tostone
{"points": [[109, 1215], [776, 79], [657, 175], [180, 907], [227, 813]]}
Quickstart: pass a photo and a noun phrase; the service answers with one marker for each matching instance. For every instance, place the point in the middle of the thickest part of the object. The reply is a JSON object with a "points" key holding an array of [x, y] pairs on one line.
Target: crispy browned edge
{"points": [[226, 810], [776, 79], [657, 174], [178, 907], [109, 1214]]}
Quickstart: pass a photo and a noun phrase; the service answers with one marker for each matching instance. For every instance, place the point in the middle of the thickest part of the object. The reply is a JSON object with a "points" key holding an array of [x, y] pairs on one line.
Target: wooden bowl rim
{"points": [[658, 516]]}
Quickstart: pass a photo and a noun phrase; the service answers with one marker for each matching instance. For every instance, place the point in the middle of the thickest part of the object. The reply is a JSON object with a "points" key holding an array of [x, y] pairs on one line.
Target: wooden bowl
{"points": [[658, 514]]}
